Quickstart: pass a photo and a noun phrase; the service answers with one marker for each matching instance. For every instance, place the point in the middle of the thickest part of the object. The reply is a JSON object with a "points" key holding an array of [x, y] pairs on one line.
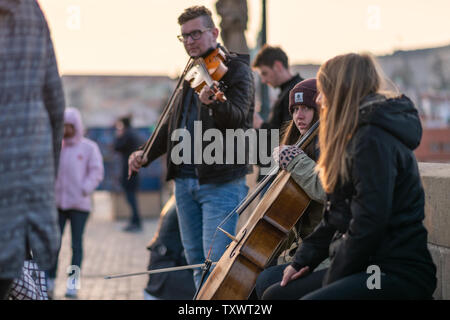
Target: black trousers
{"points": [[353, 287], [78, 221], [5, 284]]}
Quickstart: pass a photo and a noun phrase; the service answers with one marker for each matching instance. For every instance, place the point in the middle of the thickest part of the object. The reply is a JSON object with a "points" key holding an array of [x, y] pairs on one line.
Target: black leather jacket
{"points": [[235, 113], [376, 218]]}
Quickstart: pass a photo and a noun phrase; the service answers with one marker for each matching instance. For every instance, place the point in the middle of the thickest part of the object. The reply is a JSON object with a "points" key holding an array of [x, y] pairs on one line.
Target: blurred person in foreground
{"points": [[31, 129]]}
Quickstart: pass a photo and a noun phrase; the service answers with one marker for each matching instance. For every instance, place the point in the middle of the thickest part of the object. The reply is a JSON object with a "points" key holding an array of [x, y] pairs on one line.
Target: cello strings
{"points": [[259, 187], [249, 199]]}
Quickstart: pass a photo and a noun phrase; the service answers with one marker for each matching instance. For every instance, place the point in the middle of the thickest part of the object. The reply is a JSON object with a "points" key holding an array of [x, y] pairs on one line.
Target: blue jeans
{"points": [[201, 208], [78, 221], [132, 201]]}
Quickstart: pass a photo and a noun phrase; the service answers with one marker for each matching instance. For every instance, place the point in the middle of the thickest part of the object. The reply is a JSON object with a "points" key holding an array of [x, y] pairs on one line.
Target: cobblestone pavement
{"points": [[107, 251]]}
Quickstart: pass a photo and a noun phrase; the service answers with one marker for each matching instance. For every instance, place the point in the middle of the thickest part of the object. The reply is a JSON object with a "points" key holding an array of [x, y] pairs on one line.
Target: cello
{"points": [[234, 275]]}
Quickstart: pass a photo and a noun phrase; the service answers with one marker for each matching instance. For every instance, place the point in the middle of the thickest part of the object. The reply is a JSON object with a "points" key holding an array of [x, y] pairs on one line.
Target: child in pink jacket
{"points": [[79, 174]]}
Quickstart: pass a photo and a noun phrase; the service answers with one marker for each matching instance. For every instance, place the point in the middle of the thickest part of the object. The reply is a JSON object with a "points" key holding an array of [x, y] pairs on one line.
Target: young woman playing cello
{"points": [[301, 164]]}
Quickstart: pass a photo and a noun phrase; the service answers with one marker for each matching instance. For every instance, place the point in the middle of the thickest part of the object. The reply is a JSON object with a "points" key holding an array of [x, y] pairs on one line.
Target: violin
{"points": [[208, 71]]}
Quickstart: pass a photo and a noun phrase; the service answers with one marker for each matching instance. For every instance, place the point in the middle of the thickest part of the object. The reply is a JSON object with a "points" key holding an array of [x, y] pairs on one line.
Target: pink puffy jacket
{"points": [[80, 167]]}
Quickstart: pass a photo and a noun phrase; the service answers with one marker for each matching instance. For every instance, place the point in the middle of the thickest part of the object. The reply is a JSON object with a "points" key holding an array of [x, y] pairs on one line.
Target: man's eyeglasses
{"points": [[195, 35]]}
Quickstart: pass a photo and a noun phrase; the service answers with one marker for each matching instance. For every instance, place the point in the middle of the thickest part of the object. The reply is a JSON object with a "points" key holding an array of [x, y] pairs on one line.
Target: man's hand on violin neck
{"points": [[135, 161], [208, 95]]}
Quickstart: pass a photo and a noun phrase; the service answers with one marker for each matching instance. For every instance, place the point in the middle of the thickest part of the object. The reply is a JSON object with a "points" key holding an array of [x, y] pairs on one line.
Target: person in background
{"points": [[272, 65], [31, 128], [126, 142], [80, 172]]}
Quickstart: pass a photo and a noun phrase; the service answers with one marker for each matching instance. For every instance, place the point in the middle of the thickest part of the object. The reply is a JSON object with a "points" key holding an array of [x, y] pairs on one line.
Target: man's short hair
{"points": [[195, 12], [126, 121], [268, 55]]}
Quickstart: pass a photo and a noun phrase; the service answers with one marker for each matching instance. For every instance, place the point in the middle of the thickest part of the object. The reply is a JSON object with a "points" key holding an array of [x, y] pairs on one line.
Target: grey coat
{"points": [[31, 128]]}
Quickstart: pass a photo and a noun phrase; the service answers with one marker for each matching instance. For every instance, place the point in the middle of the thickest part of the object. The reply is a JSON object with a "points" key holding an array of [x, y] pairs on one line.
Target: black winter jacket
{"points": [[280, 112], [166, 251], [235, 113], [126, 144], [376, 217]]}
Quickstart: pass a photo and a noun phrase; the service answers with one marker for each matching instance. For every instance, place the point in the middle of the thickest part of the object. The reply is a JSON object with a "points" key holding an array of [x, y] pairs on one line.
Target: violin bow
{"points": [[162, 270], [164, 115]]}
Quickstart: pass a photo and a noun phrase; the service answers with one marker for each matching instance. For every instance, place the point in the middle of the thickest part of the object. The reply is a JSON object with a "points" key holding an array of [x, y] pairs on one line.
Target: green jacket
{"points": [[302, 169]]}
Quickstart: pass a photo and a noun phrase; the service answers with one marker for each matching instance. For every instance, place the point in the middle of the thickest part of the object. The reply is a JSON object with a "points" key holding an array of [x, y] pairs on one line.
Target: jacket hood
{"points": [[398, 116], [244, 58], [72, 116], [9, 5]]}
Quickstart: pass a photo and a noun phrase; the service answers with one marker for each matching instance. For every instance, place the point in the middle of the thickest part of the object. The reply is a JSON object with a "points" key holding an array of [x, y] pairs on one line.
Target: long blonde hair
{"points": [[344, 81]]}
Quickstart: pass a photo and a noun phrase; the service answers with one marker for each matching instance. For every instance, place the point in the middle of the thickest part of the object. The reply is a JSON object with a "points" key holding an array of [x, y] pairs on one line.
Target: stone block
{"points": [[437, 259], [445, 273], [436, 183], [441, 257], [149, 205]]}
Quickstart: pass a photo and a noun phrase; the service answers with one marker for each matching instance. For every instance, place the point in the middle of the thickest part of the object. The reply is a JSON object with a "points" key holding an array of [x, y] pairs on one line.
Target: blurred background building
{"points": [[424, 76]]}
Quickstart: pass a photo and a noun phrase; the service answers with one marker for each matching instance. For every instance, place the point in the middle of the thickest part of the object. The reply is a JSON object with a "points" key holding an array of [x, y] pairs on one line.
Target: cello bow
{"points": [[164, 115]]}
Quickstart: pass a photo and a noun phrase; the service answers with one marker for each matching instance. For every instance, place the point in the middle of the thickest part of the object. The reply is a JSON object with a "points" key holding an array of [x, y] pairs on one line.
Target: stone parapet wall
{"points": [[436, 182]]}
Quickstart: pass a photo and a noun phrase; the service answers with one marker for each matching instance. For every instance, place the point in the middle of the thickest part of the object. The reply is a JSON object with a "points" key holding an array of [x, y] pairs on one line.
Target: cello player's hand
{"points": [[290, 274], [276, 153], [283, 155], [135, 162]]}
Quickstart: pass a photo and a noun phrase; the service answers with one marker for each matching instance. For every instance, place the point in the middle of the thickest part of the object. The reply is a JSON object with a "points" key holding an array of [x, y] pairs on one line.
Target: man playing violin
{"points": [[205, 192]]}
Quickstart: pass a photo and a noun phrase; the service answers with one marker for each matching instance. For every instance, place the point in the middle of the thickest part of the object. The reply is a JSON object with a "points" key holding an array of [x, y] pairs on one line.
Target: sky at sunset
{"points": [[139, 36]]}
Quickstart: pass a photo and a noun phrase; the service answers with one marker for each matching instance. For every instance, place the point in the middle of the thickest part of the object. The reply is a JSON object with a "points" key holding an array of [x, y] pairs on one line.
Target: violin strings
{"points": [[258, 189]]}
